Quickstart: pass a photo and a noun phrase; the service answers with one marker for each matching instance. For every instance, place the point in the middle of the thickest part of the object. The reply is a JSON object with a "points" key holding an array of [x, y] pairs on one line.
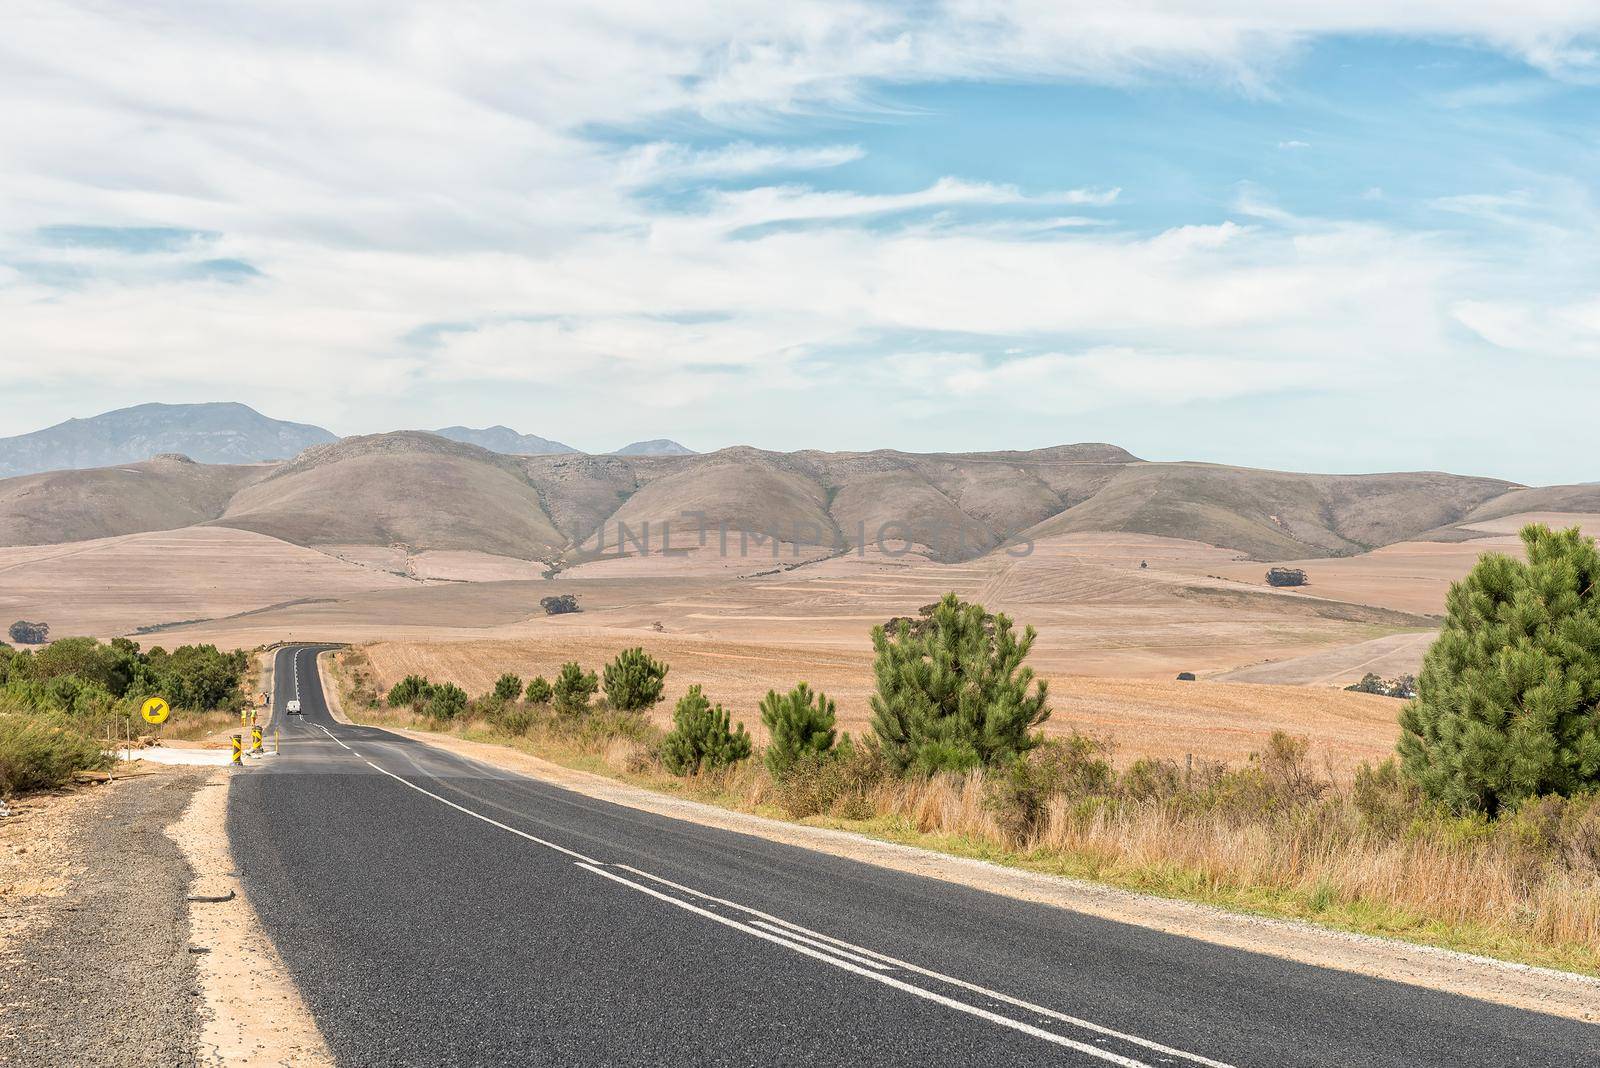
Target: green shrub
{"points": [[800, 724], [539, 691], [511, 718], [1149, 779], [701, 737], [574, 688], [837, 782], [952, 693], [1074, 766], [633, 681], [1505, 705], [445, 701], [42, 752], [1386, 800], [194, 676], [409, 690], [508, 687]]}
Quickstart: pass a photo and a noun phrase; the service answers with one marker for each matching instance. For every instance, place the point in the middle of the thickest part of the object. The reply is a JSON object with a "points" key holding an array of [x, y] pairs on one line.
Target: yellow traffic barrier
{"points": [[238, 750], [255, 741], [277, 742]]}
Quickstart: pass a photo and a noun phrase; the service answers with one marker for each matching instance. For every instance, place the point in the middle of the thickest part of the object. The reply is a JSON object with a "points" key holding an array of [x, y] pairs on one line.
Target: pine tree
{"points": [[701, 737], [539, 691], [634, 680], [573, 689], [445, 701], [409, 690], [800, 724], [508, 687], [1506, 705], [952, 692]]}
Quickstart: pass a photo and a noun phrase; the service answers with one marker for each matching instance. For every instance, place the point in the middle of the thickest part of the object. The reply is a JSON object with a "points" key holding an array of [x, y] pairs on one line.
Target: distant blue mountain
{"points": [[504, 439], [216, 433]]}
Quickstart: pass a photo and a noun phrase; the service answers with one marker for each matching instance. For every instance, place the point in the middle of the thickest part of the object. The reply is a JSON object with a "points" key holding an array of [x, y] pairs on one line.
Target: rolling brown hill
{"points": [[163, 493], [407, 488], [424, 492]]}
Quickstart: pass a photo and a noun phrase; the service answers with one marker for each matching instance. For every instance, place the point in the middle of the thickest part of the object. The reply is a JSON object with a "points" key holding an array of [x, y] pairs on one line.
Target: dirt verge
{"points": [[255, 1016]]}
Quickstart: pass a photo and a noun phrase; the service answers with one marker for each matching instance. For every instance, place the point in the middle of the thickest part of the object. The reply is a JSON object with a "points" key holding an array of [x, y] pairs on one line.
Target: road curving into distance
{"points": [[437, 911]]}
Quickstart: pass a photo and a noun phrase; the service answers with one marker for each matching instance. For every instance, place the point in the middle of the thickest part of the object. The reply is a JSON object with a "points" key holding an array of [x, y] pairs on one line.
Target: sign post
{"points": [[155, 711]]}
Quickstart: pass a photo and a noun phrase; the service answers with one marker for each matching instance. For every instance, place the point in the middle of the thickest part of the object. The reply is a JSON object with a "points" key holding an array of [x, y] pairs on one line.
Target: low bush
{"points": [[43, 752], [701, 737], [1021, 795], [539, 691]]}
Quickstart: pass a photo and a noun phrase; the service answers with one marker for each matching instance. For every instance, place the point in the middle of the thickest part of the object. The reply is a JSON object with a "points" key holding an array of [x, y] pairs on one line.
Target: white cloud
{"points": [[1568, 330], [393, 166], [662, 160]]}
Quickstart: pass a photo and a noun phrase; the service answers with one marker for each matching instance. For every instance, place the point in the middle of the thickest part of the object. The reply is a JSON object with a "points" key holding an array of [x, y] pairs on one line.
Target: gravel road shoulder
{"points": [[97, 968]]}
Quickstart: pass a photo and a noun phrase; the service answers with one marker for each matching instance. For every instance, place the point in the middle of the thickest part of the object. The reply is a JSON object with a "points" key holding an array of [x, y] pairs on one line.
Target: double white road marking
{"points": [[858, 960], [835, 952]]}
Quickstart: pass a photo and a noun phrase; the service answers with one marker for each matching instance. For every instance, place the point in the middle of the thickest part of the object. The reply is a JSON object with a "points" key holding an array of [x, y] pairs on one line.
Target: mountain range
{"points": [[231, 433], [220, 433], [422, 491]]}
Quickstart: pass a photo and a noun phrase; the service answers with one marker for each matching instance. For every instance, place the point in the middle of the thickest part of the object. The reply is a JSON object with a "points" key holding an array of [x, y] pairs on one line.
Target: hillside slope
{"points": [[165, 493], [222, 433], [407, 488]]}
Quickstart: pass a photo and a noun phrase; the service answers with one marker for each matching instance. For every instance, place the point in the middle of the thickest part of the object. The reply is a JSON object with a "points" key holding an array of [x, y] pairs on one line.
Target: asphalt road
{"points": [[435, 911]]}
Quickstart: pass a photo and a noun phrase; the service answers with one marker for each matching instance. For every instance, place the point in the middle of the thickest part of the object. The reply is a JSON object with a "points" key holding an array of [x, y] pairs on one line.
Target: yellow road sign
{"points": [[155, 710]]}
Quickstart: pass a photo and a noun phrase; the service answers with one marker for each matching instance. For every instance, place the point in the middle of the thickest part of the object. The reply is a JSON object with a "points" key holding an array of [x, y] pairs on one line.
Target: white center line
{"points": [[1087, 1025], [480, 816], [879, 977]]}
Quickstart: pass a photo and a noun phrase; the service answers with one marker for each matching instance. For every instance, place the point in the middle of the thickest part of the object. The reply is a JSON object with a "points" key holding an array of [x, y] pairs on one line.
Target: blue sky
{"points": [[1258, 234]]}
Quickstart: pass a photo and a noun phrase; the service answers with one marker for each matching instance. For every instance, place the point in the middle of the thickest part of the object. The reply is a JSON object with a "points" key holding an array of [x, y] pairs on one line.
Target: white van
{"points": [[293, 708]]}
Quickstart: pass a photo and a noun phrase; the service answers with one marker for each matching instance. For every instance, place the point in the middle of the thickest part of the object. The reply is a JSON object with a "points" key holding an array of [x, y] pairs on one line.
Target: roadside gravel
{"points": [[102, 974]]}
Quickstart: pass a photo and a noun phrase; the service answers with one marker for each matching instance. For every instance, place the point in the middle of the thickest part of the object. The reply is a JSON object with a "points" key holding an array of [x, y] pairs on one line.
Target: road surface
{"points": [[436, 911]]}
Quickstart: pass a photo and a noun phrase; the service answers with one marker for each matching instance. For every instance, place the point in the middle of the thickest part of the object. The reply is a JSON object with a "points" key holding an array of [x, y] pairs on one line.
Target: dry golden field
{"points": [[1118, 616]]}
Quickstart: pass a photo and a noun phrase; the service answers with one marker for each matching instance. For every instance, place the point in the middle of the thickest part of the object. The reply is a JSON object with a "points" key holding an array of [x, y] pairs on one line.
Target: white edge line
{"points": [[480, 816], [1087, 1025], [887, 980]]}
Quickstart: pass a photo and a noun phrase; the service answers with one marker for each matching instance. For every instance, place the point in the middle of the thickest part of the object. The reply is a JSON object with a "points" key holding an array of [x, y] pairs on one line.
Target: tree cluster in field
{"points": [[1404, 687], [1286, 576], [24, 633], [560, 604]]}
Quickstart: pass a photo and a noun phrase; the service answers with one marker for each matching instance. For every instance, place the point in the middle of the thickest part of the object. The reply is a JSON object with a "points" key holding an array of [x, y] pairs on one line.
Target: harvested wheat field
{"points": [[1141, 717], [113, 586], [1409, 576]]}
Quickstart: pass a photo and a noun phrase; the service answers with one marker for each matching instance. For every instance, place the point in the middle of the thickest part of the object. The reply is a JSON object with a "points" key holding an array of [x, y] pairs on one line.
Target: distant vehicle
{"points": [[293, 708]]}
